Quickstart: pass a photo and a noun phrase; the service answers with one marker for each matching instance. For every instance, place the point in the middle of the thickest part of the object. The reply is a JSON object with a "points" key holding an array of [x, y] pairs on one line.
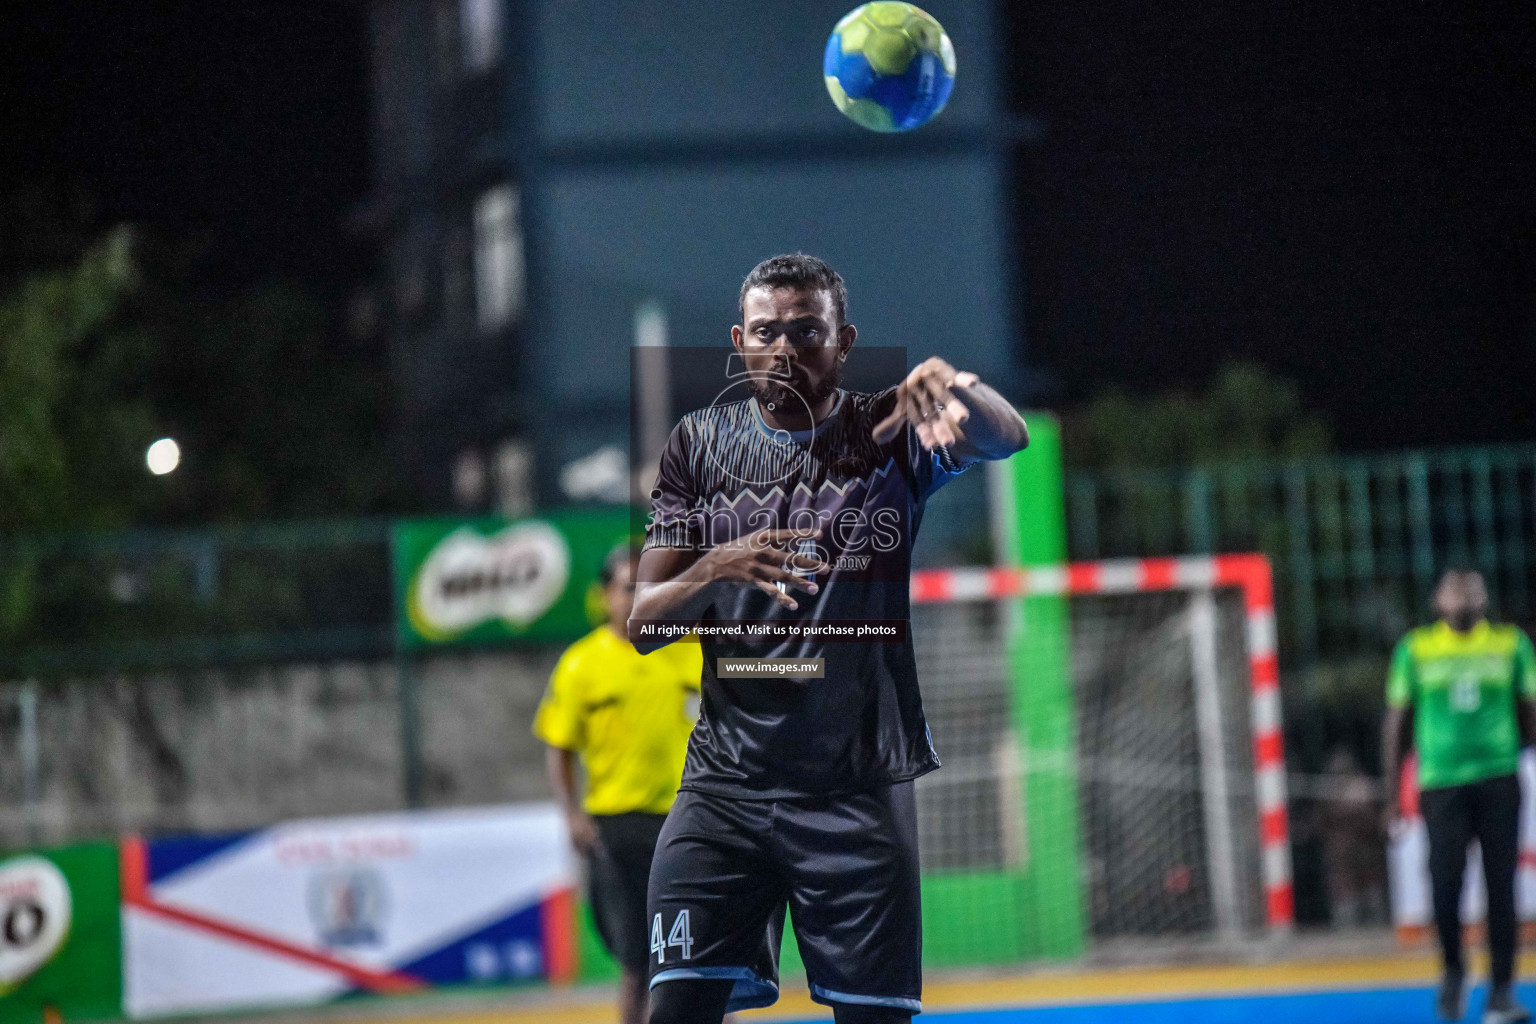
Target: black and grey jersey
{"points": [[726, 473]]}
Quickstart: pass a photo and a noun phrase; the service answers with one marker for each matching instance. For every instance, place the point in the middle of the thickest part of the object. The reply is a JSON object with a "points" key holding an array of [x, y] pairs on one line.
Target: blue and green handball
{"points": [[889, 66]]}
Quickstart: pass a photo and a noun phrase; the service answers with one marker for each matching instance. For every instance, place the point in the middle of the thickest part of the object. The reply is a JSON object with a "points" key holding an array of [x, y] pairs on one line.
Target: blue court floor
{"points": [[1328, 987], [1370, 1006]]}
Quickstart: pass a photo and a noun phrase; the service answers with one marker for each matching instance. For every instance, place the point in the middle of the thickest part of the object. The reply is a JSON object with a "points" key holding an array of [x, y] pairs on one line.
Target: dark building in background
{"points": [[556, 181], [445, 207]]}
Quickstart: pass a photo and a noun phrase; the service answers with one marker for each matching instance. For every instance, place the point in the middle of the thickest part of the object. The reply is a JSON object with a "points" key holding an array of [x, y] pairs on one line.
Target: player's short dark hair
{"points": [[625, 552], [797, 270]]}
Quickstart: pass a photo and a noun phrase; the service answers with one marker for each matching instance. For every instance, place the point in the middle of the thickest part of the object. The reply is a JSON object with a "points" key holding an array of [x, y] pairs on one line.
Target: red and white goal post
{"points": [[1248, 574]]}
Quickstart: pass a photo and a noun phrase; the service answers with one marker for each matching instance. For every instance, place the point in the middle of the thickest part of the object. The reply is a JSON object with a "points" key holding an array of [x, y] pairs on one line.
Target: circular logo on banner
{"points": [[516, 576], [347, 907], [34, 917]]}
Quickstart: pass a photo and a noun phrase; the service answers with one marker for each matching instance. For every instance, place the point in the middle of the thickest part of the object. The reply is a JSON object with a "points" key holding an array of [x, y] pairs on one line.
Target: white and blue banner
{"points": [[1408, 864], [308, 911]]}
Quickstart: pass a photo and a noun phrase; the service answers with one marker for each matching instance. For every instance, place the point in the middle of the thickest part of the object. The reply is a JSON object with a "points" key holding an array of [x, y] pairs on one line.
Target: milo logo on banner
{"points": [[34, 918], [484, 580], [516, 576]]}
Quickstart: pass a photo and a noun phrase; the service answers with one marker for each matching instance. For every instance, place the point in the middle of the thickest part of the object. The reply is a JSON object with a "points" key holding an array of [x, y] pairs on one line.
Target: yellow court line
{"points": [[1056, 988], [1043, 988]]}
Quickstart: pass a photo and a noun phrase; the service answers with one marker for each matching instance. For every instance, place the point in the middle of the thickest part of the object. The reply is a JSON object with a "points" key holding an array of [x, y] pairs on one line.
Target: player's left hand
{"points": [[927, 400]]}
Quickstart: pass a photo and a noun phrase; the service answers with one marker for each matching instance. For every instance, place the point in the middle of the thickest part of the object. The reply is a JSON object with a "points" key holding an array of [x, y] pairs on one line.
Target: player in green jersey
{"points": [[1464, 689]]}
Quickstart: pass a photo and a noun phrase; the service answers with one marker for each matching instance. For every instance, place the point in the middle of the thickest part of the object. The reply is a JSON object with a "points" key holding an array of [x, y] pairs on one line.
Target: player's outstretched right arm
{"points": [[673, 584]]}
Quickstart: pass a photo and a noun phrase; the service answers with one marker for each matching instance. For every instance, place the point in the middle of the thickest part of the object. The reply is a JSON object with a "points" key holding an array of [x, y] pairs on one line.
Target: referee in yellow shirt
{"points": [[627, 717]]}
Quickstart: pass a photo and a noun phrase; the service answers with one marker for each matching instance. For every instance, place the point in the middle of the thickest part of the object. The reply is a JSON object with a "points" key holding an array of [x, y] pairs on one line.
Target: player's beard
{"points": [[1463, 619], [782, 394]]}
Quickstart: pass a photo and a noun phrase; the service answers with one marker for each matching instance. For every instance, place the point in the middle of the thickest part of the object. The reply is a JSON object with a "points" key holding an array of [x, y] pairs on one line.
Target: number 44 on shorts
{"points": [[680, 936]]}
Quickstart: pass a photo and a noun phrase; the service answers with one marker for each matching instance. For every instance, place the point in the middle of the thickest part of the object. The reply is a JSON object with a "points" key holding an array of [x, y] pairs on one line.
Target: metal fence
{"points": [[141, 600], [1355, 541]]}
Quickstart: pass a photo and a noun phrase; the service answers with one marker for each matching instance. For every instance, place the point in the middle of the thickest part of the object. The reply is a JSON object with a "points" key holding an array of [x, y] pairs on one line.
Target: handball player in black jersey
{"points": [[800, 505]]}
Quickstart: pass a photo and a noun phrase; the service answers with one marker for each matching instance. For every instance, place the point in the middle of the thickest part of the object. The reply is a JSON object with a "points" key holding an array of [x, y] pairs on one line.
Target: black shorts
{"points": [[846, 866], [618, 869]]}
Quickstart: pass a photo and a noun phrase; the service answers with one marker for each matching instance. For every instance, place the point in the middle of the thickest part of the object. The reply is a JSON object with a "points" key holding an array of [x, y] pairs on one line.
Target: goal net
{"points": [[1112, 760]]}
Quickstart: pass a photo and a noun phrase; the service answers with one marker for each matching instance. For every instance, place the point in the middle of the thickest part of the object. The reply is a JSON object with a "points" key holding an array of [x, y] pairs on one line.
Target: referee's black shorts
{"points": [[618, 869], [845, 865]]}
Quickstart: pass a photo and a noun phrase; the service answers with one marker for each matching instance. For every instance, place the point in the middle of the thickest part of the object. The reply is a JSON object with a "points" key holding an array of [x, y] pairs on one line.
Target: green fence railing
{"points": [[86, 603], [1356, 541]]}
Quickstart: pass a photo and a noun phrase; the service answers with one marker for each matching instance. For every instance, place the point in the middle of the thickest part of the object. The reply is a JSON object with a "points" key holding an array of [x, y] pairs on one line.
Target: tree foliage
{"points": [[74, 410], [1247, 412], [276, 411]]}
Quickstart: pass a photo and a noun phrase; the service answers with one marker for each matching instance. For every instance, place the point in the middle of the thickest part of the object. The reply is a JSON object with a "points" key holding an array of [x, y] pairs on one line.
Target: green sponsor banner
{"points": [[491, 580], [61, 947]]}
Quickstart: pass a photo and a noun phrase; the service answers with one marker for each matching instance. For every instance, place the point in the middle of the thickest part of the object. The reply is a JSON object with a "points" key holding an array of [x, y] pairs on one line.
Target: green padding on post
{"points": [[1038, 500], [968, 920], [83, 979], [592, 960], [1043, 715], [973, 920], [789, 951], [1029, 524]]}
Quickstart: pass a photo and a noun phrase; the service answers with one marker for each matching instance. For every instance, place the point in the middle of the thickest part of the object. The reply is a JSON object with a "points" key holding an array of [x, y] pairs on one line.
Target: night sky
{"points": [[1345, 192], [240, 124]]}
